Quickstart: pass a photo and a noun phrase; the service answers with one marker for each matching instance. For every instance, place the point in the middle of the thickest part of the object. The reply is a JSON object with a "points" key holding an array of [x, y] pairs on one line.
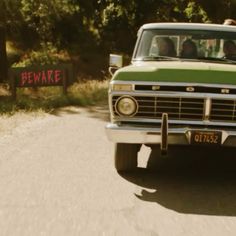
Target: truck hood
{"points": [[178, 71]]}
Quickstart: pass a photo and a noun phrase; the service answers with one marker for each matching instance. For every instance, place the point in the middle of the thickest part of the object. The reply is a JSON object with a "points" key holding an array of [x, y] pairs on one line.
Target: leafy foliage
{"points": [[195, 13], [46, 55], [97, 26], [42, 16]]}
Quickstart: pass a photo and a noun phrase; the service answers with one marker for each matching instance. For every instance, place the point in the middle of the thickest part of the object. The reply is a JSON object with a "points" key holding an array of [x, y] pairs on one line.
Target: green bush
{"points": [[47, 54]]}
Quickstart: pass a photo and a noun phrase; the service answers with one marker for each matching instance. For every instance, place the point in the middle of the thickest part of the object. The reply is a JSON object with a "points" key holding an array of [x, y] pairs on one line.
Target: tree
{"points": [[98, 27], [3, 54], [218, 10], [43, 15]]}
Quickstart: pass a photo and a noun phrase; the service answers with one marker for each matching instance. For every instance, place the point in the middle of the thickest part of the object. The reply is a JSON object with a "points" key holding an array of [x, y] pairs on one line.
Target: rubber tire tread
{"points": [[126, 156]]}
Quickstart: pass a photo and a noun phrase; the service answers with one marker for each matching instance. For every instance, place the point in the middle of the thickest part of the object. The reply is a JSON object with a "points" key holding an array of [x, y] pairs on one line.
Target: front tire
{"points": [[126, 156]]}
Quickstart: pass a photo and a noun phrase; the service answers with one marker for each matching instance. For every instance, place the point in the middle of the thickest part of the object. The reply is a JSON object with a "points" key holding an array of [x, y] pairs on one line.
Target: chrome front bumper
{"points": [[152, 135]]}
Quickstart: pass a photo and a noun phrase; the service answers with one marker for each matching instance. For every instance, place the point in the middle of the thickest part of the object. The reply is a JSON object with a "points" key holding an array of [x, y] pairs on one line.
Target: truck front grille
{"points": [[178, 108], [223, 110]]}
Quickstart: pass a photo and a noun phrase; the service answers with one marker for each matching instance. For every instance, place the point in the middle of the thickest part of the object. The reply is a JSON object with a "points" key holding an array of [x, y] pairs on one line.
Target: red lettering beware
{"points": [[57, 75], [24, 77], [44, 78], [37, 77], [50, 78], [30, 79]]}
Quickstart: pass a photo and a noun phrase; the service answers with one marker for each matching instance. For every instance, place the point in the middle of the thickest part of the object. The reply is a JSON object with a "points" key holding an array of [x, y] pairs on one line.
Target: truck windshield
{"points": [[187, 44]]}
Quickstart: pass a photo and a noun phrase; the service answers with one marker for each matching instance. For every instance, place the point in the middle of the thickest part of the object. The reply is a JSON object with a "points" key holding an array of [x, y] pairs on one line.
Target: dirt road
{"points": [[57, 178]]}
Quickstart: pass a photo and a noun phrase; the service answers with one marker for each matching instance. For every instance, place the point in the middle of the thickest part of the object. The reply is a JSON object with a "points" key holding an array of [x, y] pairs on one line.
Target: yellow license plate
{"points": [[204, 137]]}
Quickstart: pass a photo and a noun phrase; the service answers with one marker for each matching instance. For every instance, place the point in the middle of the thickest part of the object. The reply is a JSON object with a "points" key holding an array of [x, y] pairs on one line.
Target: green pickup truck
{"points": [[180, 89]]}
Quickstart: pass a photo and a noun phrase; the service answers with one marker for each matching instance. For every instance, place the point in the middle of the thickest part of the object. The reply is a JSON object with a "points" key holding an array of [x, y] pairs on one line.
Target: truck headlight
{"points": [[126, 106]]}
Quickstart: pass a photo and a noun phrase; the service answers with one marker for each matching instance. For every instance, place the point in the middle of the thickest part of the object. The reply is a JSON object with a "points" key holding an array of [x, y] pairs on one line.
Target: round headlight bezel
{"points": [[134, 102]]}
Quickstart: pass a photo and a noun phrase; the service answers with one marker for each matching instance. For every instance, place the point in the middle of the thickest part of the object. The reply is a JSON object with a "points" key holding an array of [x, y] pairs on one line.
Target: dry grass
{"points": [[82, 93]]}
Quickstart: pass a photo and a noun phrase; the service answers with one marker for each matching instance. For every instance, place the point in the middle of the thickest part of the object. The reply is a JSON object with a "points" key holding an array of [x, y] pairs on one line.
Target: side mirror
{"points": [[115, 62]]}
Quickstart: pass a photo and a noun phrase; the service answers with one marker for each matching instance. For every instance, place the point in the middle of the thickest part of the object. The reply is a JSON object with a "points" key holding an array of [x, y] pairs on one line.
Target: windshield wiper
{"points": [[158, 58], [223, 59], [228, 60], [166, 58]]}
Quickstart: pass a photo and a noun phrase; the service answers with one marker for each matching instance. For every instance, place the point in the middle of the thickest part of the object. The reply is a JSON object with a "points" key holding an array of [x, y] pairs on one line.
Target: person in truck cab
{"points": [[229, 49], [189, 49], [166, 47]]}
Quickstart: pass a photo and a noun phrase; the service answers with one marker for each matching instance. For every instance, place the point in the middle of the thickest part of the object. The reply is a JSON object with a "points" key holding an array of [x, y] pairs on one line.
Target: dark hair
{"points": [[229, 49], [171, 46], [193, 53], [229, 43]]}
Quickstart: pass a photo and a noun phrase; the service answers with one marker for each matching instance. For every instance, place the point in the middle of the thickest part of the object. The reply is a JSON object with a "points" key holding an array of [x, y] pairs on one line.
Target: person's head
{"points": [[166, 47], [189, 49], [229, 48], [229, 22]]}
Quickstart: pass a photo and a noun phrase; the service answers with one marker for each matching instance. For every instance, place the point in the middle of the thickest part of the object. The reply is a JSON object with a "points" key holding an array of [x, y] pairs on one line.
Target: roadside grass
{"points": [[82, 93]]}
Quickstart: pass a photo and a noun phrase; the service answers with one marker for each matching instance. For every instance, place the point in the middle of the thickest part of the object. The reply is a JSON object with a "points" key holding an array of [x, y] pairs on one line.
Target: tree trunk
{"points": [[3, 56]]}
